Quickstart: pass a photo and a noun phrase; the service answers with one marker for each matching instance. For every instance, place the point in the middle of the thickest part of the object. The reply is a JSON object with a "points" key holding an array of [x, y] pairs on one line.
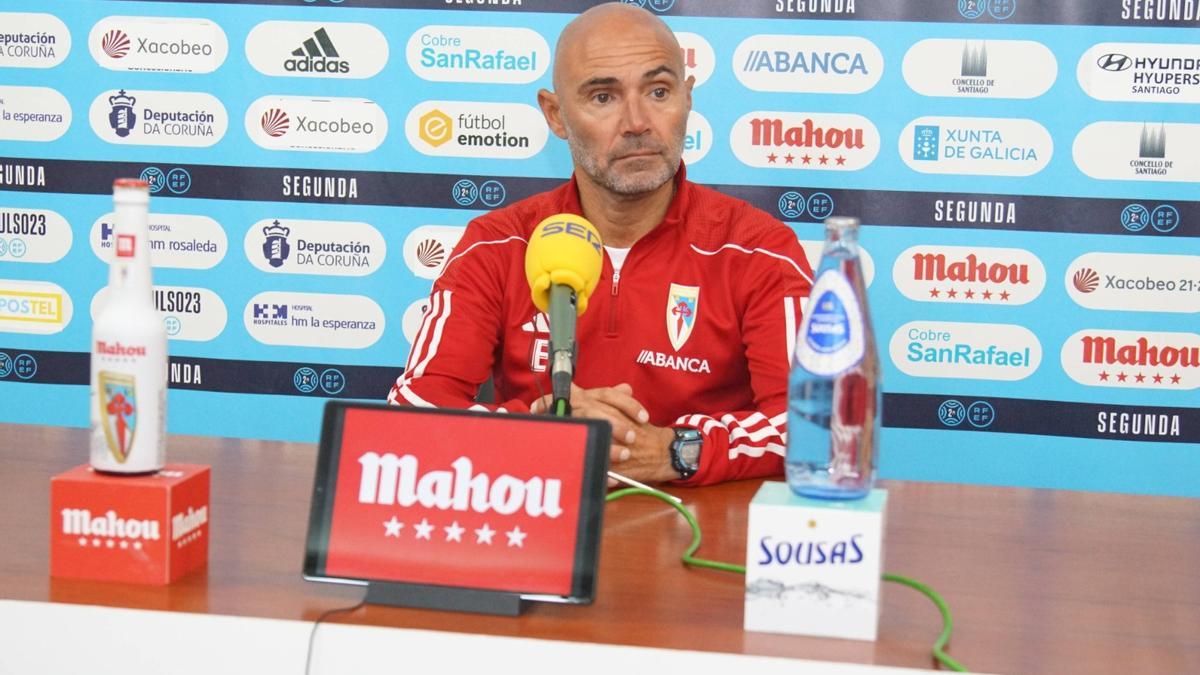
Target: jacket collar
{"points": [[569, 200]]}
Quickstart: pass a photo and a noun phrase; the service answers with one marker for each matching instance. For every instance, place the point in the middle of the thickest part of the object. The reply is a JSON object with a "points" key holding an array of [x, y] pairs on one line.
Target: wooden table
{"points": [[1039, 581]]}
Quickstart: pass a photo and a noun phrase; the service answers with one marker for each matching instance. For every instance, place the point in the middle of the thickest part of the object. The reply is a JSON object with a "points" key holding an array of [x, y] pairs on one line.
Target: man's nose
{"points": [[635, 119]]}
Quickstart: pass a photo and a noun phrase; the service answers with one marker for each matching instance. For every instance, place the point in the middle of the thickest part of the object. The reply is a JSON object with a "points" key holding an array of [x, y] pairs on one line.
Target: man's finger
{"points": [[619, 453], [621, 398]]}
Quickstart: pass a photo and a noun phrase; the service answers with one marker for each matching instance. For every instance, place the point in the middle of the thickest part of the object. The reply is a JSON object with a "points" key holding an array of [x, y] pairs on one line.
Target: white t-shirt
{"points": [[617, 256]]}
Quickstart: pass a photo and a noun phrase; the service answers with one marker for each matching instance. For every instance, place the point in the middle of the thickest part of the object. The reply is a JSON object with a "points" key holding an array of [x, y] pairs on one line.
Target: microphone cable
{"points": [[689, 559], [312, 634]]}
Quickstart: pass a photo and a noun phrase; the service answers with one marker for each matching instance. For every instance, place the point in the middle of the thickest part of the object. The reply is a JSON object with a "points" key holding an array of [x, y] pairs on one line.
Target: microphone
{"points": [[563, 263]]}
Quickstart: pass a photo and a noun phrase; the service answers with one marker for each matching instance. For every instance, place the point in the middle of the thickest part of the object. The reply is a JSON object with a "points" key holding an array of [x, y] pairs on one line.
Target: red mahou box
{"points": [[149, 529]]}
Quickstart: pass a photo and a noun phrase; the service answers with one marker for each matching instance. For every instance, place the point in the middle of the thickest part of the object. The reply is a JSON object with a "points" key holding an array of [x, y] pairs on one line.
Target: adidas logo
{"points": [[540, 323], [316, 55]]}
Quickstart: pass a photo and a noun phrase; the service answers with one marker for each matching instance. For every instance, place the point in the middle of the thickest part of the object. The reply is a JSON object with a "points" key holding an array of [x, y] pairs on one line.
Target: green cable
{"points": [[688, 559]]}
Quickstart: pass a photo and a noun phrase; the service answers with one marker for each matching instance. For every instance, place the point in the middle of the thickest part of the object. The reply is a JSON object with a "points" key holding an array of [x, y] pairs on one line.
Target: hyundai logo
{"points": [[1114, 62]]}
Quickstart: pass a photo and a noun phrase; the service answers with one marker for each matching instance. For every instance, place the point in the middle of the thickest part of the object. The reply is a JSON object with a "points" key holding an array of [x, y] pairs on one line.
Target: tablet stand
{"points": [[445, 598]]}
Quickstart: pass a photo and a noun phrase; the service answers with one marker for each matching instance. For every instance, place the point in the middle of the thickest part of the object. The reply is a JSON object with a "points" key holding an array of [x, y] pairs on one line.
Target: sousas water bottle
{"points": [[129, 348], [834, 392]]}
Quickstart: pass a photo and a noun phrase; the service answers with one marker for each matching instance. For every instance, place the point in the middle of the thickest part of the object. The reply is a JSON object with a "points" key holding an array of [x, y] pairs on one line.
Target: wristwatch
{"points": [[685, 451]]}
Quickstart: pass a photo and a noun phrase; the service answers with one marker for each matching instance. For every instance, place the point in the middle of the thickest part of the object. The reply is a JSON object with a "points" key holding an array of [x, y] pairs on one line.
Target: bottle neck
{"points": [[129, 273]]}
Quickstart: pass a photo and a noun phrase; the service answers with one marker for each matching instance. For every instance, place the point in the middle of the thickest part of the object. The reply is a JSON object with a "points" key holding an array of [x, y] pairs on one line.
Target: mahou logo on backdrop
{"points": [[1133, 359], [792, 140], [969, 274], [461, 510], [699, 59], [158, 44]]}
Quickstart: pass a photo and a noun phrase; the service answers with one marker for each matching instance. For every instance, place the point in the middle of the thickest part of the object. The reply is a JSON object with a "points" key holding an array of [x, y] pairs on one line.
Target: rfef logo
{"points": [[976, 146], [470, 129], [298, 123], [493, 54], [158, 44], [791, 140], [980, 68], [978, 351], [808, 64], [317, 49], [1135, 282], [969, 274], [1133, 359]]}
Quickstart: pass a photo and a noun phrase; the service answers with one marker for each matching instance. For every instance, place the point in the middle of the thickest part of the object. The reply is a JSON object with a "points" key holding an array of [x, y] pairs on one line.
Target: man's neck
{"points": [[623, 219]]}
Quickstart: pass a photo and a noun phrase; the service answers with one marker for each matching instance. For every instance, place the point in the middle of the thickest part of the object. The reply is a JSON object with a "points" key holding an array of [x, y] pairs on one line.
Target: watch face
{"points": [[689, 453]]}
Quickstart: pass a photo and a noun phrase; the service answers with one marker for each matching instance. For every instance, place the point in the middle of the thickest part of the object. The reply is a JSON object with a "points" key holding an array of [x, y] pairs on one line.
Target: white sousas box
{"points": [[813, 566]]}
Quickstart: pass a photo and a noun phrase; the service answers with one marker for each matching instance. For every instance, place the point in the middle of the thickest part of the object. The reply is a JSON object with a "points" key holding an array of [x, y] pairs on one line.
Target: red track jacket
{"points": [[700, 321]]}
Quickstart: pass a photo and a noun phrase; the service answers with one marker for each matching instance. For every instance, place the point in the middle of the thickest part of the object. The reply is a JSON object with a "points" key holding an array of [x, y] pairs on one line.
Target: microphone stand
{"points": [[562, 347]]}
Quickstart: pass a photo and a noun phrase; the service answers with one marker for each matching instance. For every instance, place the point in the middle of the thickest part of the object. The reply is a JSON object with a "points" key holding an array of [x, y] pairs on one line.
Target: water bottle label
{"points": [[831, 333]]}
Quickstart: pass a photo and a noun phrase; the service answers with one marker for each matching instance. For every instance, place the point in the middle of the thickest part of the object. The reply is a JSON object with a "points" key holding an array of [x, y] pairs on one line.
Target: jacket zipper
{"points": [[612, 305]]}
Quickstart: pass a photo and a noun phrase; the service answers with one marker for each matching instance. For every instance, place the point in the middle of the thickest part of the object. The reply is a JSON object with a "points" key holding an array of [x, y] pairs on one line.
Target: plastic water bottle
{"points": [[834, 389], [129, 349]]}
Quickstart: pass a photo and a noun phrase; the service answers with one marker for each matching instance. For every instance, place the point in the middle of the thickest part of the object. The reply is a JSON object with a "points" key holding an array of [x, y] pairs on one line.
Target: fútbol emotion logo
{"points": [[307, 124], [975, 351], [188, 313], [980, 68], [317, 49], [1139, 151], [33, 307], [33, 113], [33, 235], [158, 44], [811, 64], [1135, 282], [976, 146], [314, 320], [492, 54], [33, 40], [325, 247], [174, 118], [179, 241], [1141, 71], [470, 129]]}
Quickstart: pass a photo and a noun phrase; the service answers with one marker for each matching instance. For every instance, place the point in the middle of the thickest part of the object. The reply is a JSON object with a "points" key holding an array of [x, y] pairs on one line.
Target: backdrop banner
{"points": [[1027, 173]]}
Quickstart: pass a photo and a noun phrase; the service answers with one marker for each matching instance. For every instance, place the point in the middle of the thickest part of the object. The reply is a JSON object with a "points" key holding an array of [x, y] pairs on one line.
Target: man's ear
{"points": [[552, 111]]}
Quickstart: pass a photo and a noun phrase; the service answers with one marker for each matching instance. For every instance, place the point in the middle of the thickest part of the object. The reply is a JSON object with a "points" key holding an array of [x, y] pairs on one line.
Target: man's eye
{"points": [[659, 92], [602, 97]]}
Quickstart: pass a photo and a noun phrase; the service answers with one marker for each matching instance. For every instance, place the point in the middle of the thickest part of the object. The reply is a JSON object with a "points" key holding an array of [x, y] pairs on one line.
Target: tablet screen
{"points": [[484, 501]]}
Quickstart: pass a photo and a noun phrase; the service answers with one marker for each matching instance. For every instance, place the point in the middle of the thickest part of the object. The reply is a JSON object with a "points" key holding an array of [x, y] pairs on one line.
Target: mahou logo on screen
{"points": [[475, 507]]}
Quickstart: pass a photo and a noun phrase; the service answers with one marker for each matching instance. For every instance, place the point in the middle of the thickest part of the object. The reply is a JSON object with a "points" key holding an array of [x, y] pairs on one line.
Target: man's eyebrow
{"points": [[655, 72], [598, 82]]}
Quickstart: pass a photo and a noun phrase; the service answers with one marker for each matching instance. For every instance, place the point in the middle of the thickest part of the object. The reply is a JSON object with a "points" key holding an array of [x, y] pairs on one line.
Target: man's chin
{"points": [[636, 180]]}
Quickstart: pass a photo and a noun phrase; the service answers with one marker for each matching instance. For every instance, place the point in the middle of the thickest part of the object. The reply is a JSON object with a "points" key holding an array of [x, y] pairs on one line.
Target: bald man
{"points": [[686, 344]]}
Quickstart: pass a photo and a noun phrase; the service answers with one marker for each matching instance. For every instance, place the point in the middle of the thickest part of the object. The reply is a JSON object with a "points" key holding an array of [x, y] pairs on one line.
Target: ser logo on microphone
{"points": [[572, 229]]}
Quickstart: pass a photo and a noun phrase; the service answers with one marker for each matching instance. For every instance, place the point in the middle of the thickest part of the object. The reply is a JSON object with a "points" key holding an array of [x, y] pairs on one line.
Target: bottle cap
{"points": [[131, 191], [841, 222]]}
